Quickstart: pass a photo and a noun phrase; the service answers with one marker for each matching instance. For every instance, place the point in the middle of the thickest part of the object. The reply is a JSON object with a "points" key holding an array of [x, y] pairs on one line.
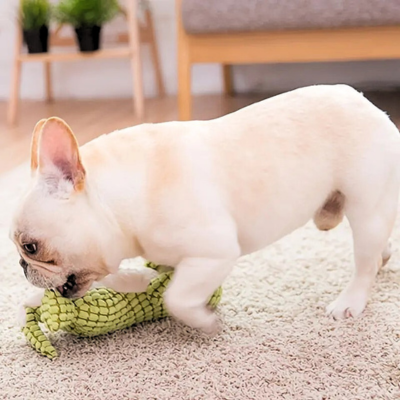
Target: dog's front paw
{"points": [[212, 326], [21, 315], [148, 275], [32, 301], [198, 317], [348, 304]]}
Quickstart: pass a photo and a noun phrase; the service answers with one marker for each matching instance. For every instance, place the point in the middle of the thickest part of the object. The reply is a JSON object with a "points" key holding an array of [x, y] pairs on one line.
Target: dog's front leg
{"points": [[193, 283], [128, 280]]}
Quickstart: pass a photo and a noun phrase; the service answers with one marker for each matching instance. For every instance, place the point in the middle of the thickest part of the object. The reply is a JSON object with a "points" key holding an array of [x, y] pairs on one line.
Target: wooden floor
{"points": [[90, 119]]}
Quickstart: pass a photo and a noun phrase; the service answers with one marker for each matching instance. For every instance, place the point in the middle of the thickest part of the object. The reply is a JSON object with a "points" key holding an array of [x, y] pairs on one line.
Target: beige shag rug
{"points": [[276, 343]]}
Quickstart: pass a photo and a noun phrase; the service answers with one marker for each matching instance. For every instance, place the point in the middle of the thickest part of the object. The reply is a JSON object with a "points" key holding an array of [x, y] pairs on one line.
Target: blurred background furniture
{"points": [[269, 31], [127, 46]]}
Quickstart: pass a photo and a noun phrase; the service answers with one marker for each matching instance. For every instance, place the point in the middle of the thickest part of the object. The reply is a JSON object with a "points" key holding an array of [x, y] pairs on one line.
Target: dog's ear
{"points": [[34, 144], [58, 153]]}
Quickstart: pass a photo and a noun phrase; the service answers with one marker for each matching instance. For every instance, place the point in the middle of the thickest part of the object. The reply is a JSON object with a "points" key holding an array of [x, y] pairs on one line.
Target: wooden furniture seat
{"points": [[269, 31]]}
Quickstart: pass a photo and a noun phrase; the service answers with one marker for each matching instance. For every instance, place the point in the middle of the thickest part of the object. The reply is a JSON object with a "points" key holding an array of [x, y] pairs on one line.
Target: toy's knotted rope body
{"points": [[100, 311]]}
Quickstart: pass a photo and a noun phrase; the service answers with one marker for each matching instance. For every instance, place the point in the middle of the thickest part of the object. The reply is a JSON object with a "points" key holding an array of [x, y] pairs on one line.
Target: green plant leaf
{"points": [[34, 14], [80, 13]]}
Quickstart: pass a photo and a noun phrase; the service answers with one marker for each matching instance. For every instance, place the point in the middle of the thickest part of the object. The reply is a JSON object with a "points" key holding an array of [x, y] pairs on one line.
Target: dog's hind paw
{"points": [[348, 304]]}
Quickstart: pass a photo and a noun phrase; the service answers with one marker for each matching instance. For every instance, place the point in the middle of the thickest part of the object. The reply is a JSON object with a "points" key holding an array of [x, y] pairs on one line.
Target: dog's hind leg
{"points": [[331, 213], [387, 253], [371, 223]]}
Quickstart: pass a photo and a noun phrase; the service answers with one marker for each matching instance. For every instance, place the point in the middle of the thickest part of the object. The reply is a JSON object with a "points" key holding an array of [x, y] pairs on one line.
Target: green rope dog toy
{"points": [[99, 312]]}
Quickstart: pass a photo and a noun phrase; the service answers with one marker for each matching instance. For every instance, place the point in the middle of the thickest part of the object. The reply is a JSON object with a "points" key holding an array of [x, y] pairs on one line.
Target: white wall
{"points": [[112, 78]]}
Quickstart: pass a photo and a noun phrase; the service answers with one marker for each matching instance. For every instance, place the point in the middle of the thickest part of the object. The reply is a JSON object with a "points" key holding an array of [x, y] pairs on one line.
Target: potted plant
{"points": [[87, 17], [34, 20]]}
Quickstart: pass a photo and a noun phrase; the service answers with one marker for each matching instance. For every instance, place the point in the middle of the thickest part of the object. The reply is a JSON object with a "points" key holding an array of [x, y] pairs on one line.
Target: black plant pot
{"points": [[88, 38], [37, 40]]}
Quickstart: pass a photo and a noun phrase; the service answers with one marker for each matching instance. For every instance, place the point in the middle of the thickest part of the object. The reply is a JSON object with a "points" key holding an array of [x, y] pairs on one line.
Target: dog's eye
{"points": [[30, 248]]}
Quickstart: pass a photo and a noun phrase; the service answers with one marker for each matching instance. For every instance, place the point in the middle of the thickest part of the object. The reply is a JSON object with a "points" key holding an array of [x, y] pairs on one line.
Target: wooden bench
{"points": [[287, 45]]}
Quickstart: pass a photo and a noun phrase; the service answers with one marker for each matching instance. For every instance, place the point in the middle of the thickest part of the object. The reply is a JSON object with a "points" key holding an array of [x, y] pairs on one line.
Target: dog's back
{"points": [[287, 158]]}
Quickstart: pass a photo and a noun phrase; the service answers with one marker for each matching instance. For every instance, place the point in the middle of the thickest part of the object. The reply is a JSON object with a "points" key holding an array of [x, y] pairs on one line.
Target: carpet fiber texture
{"points": [[276, 342]]}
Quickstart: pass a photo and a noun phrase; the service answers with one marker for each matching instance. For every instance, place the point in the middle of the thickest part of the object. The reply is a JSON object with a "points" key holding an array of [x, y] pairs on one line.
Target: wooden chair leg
{"points": [[138, 86], [227, 79], [15, 81], [155, 55], [184, 89], [184, 70], [14, 95], [48, 81], [134, 40]]}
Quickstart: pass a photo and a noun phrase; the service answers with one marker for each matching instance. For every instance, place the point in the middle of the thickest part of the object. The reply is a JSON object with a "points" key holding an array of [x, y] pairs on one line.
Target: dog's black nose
{"points": [[24, 265], [69, 288]]}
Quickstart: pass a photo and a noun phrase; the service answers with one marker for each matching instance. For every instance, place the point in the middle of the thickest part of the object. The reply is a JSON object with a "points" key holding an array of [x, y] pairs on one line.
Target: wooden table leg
{"points": [[134, 40], [184, 70], [227, 79], [155, 55], [15, 80], [48, 81]]}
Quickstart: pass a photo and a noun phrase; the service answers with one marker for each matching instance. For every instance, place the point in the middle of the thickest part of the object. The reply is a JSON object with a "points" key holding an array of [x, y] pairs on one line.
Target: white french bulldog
{"points": [[197, 195]]}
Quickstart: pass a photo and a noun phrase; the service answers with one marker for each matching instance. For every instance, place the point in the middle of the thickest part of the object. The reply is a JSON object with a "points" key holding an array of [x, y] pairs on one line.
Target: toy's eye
{"points": [[30, 248]]}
